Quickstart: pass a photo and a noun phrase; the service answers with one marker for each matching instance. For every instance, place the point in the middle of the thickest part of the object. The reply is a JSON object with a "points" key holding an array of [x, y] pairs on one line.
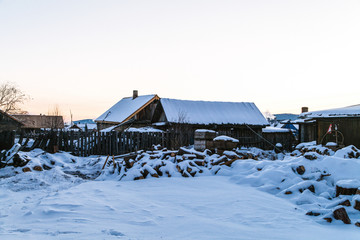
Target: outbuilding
{"points": [[339, 125], [8, 126]]}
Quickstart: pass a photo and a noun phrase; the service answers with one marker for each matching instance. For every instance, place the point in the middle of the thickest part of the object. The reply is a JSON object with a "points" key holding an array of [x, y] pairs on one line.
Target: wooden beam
{"points": [[140, 109]]}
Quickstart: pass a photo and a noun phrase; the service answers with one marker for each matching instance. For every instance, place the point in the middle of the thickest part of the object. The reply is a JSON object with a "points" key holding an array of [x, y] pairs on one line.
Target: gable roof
{"points": [[11, 117], [40, 121], [126, 108], [350, 111], [206, 112]]}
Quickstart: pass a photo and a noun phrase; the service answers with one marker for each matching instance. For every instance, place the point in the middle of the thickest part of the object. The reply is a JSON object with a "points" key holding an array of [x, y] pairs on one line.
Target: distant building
{"points": [[38, 122], [84, 125]]}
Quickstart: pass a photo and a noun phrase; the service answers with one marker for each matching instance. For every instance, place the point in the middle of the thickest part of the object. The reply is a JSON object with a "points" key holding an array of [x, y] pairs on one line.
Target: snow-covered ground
{"points": [[75, 199]]}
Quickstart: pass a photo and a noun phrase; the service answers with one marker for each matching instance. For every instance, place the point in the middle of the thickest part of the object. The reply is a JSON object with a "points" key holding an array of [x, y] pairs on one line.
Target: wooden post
{"points": [[71, 142], [21, 137], [78, 144], [105, 162], [123, 139], [104, 144], [116, 144], [86, 144]]}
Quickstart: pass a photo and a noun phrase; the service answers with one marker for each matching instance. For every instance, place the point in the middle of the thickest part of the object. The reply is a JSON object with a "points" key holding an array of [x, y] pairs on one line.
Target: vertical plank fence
{"points": [[94, 143]]}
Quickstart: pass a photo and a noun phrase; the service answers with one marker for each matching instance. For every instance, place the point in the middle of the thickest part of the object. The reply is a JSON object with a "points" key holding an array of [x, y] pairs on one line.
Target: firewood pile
{"points": [[314, 151], [167, 163]]}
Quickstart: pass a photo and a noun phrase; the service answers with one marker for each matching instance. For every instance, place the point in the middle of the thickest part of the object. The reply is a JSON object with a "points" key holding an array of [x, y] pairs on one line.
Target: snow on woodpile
{"points": [[226, 138], [351, 111], [206, 112], [183, 162], [124, 108]]}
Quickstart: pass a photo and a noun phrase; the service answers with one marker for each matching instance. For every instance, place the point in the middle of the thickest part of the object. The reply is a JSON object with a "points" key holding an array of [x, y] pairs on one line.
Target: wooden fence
{"points": [[7, 139], [116, 143], [94, 143]]}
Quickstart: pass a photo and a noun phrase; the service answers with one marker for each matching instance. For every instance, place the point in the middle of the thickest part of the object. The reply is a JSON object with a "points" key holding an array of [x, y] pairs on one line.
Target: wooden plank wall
{"points": [[349, 127]]}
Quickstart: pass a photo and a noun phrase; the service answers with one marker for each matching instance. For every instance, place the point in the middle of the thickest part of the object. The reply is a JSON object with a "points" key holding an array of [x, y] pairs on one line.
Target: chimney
{"points": [[304, 109], [135, 94]]}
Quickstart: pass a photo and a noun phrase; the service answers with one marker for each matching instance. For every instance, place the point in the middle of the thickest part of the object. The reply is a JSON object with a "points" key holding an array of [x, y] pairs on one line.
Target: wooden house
{"points": [[8, 124], [241, 120], [129, 111], [38, 122], [340, 125]]}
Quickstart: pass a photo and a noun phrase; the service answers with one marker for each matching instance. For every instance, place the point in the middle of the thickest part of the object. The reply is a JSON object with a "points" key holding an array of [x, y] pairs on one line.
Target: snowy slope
{"points": [[176, 208], [75, 199]]}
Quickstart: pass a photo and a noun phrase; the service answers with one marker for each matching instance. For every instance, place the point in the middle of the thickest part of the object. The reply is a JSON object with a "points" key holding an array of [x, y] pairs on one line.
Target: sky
{"points": [[84, 56]]}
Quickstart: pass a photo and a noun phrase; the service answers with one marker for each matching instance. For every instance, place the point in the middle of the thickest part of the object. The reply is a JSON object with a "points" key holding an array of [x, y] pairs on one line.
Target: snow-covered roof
{"points": [[275, 130], [206, 112], [143, 129], [351, 111], [123, 109], [89, 126], [109, 129], [84, 121]]}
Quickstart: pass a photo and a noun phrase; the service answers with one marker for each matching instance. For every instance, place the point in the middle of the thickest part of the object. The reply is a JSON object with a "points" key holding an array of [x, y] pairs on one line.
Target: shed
{"points": [[8, 124], [241, 120], [276, 135], [37, 122], [340, 125]]}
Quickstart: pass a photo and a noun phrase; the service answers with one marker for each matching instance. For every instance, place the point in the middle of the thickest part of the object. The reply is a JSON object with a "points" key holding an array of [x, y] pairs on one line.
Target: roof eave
{"points": [[156, 97]]}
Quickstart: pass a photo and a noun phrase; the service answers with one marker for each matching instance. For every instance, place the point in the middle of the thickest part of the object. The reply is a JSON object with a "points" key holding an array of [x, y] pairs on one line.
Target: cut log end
{"points": [[341, 214]]}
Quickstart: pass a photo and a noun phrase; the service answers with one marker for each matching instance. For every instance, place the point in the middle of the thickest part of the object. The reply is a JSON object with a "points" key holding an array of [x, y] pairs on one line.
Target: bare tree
{"points": [[55, 111], [181, 129], [11, 97], [55, 119]]}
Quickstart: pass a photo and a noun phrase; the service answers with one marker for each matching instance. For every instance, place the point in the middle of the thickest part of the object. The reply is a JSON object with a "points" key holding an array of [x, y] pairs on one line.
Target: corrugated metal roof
{"points": [[350, 111], [206, 112], [124, 109]]}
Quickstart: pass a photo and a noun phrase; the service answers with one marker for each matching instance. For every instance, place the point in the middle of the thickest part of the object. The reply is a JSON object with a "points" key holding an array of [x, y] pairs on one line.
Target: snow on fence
{"points": [[94, 143]]}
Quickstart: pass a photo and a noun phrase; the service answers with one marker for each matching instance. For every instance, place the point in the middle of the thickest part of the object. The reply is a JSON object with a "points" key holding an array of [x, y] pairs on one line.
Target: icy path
{"points": [[174, 208]]}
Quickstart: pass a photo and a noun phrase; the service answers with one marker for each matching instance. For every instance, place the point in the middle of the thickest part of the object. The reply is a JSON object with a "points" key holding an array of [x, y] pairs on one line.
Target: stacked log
{"points": [[204, 139], [224, 143], [347, 187]]}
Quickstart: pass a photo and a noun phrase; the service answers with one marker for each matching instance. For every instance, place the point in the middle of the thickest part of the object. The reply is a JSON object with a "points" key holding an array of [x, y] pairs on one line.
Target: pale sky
{"points": [[84, 56]]}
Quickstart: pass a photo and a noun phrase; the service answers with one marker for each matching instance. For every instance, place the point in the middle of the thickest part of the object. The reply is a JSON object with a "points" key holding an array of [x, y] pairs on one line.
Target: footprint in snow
{"points": [[22, 230], [113, 232]]}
